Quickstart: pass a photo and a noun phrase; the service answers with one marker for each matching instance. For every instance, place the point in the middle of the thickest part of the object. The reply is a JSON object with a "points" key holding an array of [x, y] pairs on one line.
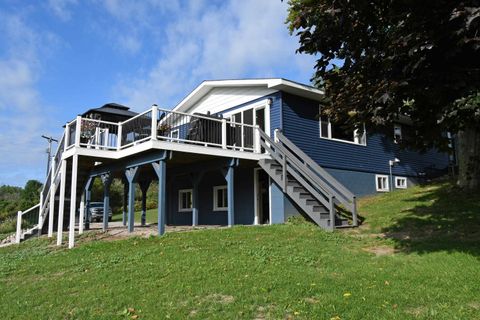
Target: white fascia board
{"points": [[200, 91], [163, 145], [275, 83], [297, 89]]}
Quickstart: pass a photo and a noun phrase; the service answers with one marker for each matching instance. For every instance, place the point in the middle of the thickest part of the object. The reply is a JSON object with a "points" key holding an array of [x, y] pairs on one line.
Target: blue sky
{"points": [[61, 57]]}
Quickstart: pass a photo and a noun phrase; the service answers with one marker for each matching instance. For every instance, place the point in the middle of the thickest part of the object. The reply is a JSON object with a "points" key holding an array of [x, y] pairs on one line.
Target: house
{"points": [[231, 152]]}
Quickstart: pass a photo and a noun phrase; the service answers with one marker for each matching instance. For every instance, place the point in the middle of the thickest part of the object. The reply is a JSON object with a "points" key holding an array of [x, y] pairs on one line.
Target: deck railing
{"points": [[136, 130], [26, 220], [98, 134], [204, 130], [163, 125]]}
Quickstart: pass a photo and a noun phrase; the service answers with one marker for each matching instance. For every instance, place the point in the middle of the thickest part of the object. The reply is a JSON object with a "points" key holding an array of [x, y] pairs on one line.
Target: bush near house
{"points": [[415, 257]]}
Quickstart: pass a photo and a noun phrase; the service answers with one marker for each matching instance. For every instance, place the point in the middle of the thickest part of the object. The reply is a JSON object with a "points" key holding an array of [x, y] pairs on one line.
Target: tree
{"points": [[381, 60], [30, 194]]}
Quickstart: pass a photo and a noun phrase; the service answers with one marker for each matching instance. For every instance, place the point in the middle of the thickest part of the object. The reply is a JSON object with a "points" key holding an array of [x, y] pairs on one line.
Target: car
{"points": [[96, 212]]}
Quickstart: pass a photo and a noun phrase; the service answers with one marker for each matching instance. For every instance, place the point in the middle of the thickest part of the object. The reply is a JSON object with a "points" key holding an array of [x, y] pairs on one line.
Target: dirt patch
{"points": [[311, 300], [220, 298], [474, 305], [417, 311], [381, 250], [116, 231]]}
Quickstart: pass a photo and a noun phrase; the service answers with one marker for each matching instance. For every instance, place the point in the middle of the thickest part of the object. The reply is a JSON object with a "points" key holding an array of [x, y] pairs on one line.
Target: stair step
{"points": [[293, 184], [305, 195], [311, 202], [298, 189], [342, 223]]}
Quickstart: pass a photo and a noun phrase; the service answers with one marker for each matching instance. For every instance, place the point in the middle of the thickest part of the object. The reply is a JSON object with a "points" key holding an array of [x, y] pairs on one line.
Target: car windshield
{"points": [[96, 205]]}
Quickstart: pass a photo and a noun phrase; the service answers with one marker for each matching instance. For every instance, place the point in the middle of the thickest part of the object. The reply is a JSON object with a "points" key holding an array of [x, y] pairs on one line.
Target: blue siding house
{"points": [[231, 152]]}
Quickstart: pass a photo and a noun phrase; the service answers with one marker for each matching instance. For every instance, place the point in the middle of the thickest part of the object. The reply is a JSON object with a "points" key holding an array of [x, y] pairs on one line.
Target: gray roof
{"points": [[113, 109]]}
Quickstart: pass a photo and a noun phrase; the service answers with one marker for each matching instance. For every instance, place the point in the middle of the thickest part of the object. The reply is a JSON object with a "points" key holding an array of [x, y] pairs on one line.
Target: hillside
{"points": [[415, 257]]}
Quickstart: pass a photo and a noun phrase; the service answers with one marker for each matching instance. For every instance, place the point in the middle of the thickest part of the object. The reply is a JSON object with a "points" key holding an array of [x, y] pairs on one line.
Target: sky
{"points": [[59, 58]]}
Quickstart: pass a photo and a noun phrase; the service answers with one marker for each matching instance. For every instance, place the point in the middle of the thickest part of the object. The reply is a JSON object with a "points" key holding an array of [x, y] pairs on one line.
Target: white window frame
{"points": [[215, 194], [180, 204], [404, 186], [357, 139], [379, 188]]}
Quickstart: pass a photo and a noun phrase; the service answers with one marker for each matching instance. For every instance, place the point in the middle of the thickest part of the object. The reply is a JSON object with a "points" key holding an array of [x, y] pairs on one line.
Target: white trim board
{"points": [[163, 145], [275, 84]]}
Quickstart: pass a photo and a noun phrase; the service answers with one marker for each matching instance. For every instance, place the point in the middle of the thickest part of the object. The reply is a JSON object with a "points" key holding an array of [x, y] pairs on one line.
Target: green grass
{"points": [[151, 217], [293, 271]]}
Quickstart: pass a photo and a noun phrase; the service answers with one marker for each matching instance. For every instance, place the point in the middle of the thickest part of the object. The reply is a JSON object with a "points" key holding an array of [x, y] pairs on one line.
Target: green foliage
{"points": [[395, 58], [116, 195], [13, 199], [265, 272]]}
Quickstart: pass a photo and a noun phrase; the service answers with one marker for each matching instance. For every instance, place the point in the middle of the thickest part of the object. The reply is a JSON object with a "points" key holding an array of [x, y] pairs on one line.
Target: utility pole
{"points": [[49, 149]]}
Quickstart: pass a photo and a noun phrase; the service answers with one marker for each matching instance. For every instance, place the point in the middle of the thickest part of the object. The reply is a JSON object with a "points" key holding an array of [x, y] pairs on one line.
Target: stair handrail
{"points": [[303, 163], [299, 167], [20, 214], [302, 156]]}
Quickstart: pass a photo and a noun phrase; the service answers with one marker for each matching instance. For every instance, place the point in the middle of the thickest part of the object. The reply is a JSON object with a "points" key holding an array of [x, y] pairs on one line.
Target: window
{"points": [[397, 133], [381, 183], [185, 200], [400, 182], [329, 130], [220, 198]]}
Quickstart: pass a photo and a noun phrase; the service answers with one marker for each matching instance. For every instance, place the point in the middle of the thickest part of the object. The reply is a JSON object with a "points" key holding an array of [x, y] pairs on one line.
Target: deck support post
{"points": [[160, 168], [53, 190], [196, 178], [73, 201], [84, 219], [131, 175], [107, 181], [144, 185], [229, 176], [61, 202], [331, 209], [81, 213], [125, 202]]}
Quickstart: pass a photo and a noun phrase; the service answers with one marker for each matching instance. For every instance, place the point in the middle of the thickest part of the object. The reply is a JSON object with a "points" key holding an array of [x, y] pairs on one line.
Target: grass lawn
{"points": [[152, 216], [415, 257]]}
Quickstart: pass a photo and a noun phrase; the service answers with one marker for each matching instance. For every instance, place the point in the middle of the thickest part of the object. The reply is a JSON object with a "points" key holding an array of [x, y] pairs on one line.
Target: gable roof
{"points": [[279, 84]]}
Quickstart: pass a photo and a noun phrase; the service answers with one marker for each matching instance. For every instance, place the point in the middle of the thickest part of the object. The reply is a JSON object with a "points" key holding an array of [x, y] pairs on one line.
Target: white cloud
{"points": [[22, 115], [132, 20], [61, 8], [203, 41]]}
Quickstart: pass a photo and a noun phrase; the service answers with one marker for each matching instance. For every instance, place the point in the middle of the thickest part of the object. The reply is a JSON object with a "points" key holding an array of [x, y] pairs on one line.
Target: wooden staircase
{"points": [[309, 186]]}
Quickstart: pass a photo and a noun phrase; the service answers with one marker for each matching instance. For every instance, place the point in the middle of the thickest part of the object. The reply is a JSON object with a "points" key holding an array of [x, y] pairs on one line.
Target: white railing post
{"points": [[19, 227], [78, 131], [154, 122], [275, 137], [40, 217], [67, 137], [257, 146], [224, 133], [119, 138]]}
